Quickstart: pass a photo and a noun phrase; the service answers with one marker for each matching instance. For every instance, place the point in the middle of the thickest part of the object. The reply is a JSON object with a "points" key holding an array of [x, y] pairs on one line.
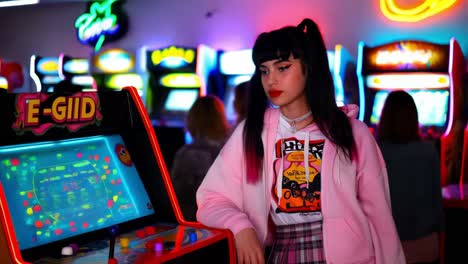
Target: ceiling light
{"points": [[6, 3]]}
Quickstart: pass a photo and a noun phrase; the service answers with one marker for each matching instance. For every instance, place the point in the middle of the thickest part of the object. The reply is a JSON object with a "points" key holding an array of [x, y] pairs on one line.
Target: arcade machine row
{"points": [[44, 71], [82, 180], [432, 74], [115, 68]]}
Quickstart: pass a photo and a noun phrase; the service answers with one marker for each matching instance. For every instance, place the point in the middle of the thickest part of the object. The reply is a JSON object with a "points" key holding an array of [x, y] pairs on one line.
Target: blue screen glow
{"points": [[61, 189]]}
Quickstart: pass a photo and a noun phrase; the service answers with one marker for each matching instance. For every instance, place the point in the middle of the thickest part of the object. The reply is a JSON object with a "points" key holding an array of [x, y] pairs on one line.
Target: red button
{"points": [[140, 233], [150, 230], [149, 245]]}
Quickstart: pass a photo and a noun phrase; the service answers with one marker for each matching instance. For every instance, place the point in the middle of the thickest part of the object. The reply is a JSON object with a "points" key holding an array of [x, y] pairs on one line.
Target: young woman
{"points": [[304, 177], [414, 179]]}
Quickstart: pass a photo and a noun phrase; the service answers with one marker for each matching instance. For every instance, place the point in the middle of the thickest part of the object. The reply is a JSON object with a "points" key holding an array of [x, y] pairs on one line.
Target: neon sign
{"points": [[173, 57], [104, 22], [428, 8], [38, 112]]}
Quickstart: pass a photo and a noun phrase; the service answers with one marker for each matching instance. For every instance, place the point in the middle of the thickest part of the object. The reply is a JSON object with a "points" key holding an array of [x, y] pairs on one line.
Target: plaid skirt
{"points": [[299, 243]]}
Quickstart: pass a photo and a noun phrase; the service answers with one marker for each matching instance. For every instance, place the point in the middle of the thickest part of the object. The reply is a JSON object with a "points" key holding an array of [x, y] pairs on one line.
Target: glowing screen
{"points": [[61, 189], [432, 106], [180, 100]]}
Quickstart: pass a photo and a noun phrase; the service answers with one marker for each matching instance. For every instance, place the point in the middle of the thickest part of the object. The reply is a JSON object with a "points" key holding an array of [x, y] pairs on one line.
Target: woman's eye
{"points": [[283, 68], [263, 72]]}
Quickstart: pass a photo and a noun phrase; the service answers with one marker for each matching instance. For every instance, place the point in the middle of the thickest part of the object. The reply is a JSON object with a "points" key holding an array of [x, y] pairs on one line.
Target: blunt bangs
{"points": [[277, 45]]}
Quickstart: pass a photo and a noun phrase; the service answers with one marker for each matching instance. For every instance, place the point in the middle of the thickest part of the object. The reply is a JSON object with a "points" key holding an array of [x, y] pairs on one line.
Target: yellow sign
{"points": [[37, 113], [158, 56], [414, 14]]}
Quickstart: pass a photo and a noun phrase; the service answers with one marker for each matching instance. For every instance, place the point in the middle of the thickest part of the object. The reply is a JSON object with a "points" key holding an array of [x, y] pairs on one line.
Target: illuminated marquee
{"points": [[403, 57], [114, 61], [104, 22], [428, 8], [36, 112], [172, 57], [407, 55]]}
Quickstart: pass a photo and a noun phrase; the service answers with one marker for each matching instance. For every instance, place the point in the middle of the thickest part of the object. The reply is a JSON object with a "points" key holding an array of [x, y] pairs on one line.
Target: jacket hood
{"points": [[350, 110]]}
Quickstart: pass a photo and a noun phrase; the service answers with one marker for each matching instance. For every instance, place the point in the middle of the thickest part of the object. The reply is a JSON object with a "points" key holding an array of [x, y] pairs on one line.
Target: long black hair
{"points": [[306, 43]]}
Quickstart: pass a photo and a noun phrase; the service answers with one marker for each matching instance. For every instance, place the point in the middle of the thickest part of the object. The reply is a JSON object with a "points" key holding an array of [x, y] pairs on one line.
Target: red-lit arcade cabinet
{"points": [[11, 76], [464, 162], [83, 181]]}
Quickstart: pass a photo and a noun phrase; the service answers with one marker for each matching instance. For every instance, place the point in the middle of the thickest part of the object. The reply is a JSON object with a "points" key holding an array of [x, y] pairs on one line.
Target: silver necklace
{"points": [[294, 121]]}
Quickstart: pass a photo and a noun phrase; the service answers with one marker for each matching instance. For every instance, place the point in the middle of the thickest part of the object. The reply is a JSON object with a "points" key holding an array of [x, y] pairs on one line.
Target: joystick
{"points": [[113, 232]]}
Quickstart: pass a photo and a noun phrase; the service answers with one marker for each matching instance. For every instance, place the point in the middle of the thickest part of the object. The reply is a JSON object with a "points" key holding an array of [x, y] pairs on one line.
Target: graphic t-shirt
{"points": [[296, 191]]}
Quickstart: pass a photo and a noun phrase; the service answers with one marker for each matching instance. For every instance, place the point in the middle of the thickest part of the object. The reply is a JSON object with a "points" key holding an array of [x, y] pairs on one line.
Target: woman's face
{"points": [[284, 82]]}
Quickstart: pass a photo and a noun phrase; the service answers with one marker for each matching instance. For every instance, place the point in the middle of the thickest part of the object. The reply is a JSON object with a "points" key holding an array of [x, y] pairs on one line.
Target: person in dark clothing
{"points": [[207, 123], [240, 101], [414, 178]]}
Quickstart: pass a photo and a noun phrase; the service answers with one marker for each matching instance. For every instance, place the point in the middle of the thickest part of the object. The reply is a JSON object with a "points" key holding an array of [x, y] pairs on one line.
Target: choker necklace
{"points": [[294, 121]]}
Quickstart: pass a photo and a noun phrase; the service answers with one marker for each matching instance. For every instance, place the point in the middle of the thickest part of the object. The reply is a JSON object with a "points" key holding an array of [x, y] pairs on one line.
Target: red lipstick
{"points": [[274, 93]]}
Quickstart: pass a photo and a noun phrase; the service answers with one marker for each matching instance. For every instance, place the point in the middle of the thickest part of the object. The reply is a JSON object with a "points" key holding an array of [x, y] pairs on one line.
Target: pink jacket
{"points": [[357, 222]]}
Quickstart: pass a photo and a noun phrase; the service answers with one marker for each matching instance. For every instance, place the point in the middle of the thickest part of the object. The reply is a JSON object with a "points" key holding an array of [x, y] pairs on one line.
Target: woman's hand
{"points": [[248, 247]]}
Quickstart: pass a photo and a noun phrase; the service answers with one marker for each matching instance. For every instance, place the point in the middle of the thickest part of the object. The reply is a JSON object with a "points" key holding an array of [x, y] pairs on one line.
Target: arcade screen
{"points": [[56, 190], [180, 100], [432, 106]]}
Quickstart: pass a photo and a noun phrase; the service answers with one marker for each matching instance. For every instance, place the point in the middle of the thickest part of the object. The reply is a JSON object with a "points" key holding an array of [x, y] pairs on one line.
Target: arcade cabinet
{"points": [[464, 162], [456, 211], [432, 74], [115, 68], [343, 70], [177, 77], [74, 72], [45, 72], [235, 67], [83, 181]]}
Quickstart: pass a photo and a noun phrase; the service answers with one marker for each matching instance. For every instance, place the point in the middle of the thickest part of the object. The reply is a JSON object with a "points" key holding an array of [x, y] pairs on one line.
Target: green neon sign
{"points": [[104, 22]]}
